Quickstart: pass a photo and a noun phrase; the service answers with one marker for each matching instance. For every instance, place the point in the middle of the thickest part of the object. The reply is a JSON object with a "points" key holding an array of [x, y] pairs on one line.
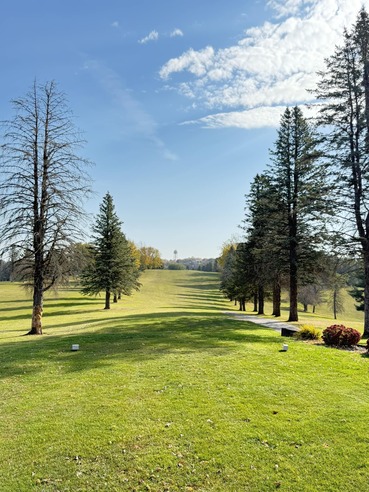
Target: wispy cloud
{"points": [[261, 117], [140, 122], [176, 32], [285, 8], [115, 24], [152, 36], [272, 65]]}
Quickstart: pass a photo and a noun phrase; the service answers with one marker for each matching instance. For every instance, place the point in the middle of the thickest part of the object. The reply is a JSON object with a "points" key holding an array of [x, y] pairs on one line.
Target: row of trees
{"points": [[313, 198], [201, 264]]}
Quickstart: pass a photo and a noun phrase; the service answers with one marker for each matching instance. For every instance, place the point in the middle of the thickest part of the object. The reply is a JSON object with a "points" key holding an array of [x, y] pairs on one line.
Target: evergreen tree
{"points": [[238, 274], [263, 231], [344, 87], [299, 180], [114, 270], [227, 276], [357, 292]]}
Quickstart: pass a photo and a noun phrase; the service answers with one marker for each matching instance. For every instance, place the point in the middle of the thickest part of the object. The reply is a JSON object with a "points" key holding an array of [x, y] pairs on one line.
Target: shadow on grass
{"points": [[133, 339], [208, 303], [56, 303], [203, 281], [105, 338]]}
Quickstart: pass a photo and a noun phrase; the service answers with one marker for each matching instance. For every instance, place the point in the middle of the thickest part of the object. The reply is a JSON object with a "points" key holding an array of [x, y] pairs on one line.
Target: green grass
{"points": [[167, 393]]}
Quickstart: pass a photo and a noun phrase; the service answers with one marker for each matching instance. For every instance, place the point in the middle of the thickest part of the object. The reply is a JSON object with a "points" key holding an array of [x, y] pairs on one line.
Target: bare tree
{"points": [[335, 296], [42, 189]]}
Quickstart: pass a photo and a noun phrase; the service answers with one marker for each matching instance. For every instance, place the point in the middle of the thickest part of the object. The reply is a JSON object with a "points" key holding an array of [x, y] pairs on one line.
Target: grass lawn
{"points": [[167, 393]]}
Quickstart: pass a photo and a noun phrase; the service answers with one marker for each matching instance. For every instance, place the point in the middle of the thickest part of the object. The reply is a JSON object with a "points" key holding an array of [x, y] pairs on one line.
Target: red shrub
{"points": [[340, 336]]}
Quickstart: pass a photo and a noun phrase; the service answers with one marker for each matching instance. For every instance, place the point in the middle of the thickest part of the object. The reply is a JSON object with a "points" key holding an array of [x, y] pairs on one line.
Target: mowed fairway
{"points": [[168, 393]]}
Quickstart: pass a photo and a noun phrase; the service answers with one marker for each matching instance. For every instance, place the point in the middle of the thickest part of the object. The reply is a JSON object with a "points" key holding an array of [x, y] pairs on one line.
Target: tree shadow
{"points": [[202, 301], [105, 338], [202, 281], [132, 338], [66, 302]]}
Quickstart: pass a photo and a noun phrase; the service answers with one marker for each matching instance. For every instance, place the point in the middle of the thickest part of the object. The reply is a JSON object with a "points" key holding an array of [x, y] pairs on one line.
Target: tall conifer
{"points": [[344, 89], [114, 270], [299, 179]]}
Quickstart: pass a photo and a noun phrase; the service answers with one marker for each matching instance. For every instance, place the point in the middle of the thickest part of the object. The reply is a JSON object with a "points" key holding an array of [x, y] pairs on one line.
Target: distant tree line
{"points": [[307, 214], [200, 264]]}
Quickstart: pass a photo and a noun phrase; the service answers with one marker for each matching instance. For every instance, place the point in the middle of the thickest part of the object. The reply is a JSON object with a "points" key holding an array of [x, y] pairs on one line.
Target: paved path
{"points": [[267, 322]]}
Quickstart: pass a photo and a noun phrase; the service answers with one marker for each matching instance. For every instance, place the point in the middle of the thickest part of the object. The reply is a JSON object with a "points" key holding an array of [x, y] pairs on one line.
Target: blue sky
{"points": [[179, 101]]}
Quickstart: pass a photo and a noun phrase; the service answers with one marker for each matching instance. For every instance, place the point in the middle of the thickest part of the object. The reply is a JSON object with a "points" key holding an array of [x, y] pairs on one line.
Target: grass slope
{"points": [[169, 394]]}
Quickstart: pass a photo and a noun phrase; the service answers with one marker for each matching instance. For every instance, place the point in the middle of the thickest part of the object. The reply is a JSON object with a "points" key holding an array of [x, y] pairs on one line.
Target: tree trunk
{"points": [[293, 297], [276, 299], [305, 308], [36, 328], [335, 303], [293, 277], [243, 304], [314, 309], [261, 300], [107, 299], [115, 298], [366, 295], [38, 298], [255, 310]]}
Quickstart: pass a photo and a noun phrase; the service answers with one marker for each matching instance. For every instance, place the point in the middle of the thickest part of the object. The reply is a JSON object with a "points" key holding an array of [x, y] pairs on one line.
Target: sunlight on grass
{"points": [[168, 393]]}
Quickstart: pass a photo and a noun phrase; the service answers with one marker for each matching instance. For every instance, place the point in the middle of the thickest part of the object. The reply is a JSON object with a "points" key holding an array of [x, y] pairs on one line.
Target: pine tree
{"points": [[344, 87], [299, 180], [227, 276], [263, 225], [114, 270]]}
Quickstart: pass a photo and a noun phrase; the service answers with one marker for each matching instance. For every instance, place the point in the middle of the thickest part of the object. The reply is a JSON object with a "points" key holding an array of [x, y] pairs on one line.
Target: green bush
{"points": [[308, 332], [340, 336]]}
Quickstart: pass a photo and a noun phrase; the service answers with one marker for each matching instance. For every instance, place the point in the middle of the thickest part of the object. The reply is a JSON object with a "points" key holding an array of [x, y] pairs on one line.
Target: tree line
{"points": [[307, 214]]}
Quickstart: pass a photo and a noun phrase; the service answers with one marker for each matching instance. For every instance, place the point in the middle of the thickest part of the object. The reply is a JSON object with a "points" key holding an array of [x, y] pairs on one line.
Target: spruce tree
{"points": [[298, 178], [344, 88], [113, 270], [262, 225], [227, 276]]}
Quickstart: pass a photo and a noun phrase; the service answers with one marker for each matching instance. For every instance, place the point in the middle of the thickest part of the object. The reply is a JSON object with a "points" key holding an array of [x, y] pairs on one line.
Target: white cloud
{"points": [[252, 118], [290, 7], [272, 65], [176, 32], [196, 62], [264, 116], [115, 24], [152, 36]]}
